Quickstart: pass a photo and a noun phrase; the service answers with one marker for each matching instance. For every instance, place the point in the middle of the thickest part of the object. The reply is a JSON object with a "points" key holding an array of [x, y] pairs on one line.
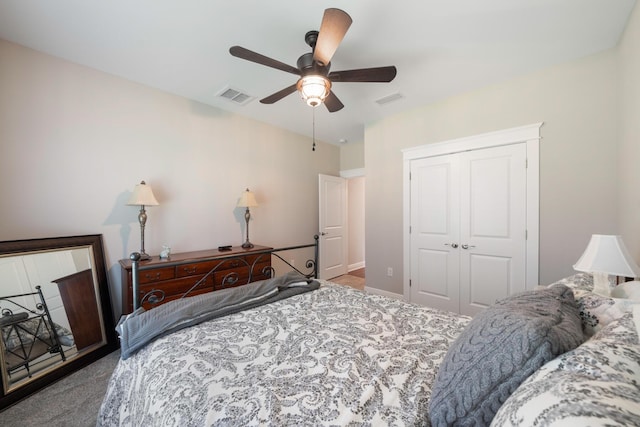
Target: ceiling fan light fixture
{"points": [[314, 89]]}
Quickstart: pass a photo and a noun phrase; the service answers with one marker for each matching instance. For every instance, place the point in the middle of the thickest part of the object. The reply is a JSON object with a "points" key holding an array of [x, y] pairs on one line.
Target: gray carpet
{"points": [[74, 401]]}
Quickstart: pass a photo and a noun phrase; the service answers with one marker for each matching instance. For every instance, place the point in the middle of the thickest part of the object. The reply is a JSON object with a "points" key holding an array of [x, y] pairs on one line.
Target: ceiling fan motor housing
{"points": [[307, 65]]}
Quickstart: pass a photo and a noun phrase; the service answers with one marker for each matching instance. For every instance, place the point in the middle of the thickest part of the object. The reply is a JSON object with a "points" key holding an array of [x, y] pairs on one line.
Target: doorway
{"points": [[350, 252]]}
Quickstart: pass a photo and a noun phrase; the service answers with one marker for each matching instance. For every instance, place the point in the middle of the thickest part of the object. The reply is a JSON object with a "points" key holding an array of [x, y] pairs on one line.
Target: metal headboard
{"points": [[156, 296]]}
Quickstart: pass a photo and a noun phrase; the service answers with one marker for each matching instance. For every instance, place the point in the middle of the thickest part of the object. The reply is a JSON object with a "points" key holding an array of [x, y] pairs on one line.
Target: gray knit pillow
{"points": [[500, 348]]}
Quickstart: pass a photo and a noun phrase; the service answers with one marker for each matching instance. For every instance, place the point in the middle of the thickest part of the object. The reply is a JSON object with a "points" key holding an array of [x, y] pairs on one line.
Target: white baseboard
{"points": [[356, 266], [376, 291]]}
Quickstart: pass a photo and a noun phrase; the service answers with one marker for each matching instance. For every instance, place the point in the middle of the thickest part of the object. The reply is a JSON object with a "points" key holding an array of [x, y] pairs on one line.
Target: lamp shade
{"points": [[314, 89], [142, 196], [607, 254], [247, 200]]}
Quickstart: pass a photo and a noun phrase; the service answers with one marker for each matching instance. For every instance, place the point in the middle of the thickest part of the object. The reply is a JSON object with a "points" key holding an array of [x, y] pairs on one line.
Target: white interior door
{"points": [[435, 217], [492, 225], [333, 226]]}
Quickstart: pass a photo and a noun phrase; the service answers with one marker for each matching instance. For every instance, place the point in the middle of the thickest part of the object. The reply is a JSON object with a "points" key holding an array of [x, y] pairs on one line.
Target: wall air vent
{"points": [[389, 98], [234, 95]]}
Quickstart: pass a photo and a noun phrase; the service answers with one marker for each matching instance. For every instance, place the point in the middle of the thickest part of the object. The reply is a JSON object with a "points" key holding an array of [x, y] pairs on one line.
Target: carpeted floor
{"points": [[74, 401]]}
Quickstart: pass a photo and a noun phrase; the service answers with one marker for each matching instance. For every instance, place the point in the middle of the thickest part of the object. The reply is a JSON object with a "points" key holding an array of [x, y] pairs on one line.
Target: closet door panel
{"points": [[493, 270], [492, 225], [434, 232]]}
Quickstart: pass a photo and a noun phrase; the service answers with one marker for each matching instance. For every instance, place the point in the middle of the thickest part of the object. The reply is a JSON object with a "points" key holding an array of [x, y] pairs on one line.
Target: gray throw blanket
{"points": [[143, 326]]}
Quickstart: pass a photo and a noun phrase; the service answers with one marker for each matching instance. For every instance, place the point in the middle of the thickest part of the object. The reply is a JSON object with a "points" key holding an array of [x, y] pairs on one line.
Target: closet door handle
{"points": [[468, 246], [453, 245]]}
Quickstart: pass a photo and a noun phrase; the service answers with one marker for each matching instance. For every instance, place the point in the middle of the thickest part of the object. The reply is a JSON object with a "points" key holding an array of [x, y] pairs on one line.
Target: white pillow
{"points": [[595, 384], [597, 310], [627, 290]]}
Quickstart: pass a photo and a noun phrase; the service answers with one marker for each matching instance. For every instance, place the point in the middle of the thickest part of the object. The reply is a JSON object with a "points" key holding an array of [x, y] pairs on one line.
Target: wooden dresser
{"points": [[79, 299], [181, 271]]}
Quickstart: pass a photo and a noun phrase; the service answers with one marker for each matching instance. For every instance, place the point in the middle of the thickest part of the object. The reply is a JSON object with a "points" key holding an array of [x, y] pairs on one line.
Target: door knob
{"points": [[453, 245], [468, 246]]}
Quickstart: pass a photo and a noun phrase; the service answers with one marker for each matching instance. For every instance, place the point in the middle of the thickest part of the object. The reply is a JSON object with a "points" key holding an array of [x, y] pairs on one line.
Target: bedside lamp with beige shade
{"points": [[142, 196], [247, 200]]}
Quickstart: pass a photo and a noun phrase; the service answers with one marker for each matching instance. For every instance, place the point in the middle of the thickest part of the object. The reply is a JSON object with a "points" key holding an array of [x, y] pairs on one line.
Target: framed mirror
{"points": [[55, 311]]}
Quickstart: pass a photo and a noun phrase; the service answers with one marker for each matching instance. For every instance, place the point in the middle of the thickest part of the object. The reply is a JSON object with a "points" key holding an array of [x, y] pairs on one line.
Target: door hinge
{"points": [[526, 163], [409, 282], [526, 234]]}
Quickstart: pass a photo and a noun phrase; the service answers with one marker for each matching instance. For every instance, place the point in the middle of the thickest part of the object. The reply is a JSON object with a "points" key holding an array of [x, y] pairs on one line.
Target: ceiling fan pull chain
{"points": [[313, 109]]}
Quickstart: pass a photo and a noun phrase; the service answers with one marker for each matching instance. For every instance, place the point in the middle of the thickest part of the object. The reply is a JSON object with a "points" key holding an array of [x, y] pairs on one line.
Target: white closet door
{"points": [[435, 221], [468, 225], [493, 225]]}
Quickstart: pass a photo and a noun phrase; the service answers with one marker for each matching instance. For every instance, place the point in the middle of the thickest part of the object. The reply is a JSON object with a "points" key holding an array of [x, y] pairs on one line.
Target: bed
{"points": [[29, 334], [332, 355]]}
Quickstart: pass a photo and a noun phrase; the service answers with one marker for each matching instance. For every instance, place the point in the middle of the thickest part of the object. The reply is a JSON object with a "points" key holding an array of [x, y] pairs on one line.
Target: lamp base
{"points": [[601, 284], [144, 256], [247, 245]]}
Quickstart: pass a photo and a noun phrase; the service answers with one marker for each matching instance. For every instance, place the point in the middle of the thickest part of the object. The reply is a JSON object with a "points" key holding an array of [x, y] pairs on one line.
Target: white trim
{"points": [[484, 140], [529, 134], [376, 291], [352, 173], [356, 266]]}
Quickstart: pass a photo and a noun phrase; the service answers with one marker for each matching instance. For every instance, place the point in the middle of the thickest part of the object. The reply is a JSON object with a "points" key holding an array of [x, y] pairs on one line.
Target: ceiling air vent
{"points": [[235, 95], [389, 98]]}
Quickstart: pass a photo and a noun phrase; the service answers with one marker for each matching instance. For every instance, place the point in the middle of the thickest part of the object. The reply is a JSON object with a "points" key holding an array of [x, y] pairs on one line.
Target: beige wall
{"points": [[75, 141], [355, 209], [579, 106], [352, 156], [629, 147]]}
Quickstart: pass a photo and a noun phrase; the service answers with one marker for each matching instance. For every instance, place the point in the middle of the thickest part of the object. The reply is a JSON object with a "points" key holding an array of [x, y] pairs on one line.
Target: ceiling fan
{"points": [[315, 79]]}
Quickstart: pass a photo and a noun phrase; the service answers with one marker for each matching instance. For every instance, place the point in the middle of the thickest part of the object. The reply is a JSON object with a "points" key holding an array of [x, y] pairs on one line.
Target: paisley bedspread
{"points": [[334, 356]]}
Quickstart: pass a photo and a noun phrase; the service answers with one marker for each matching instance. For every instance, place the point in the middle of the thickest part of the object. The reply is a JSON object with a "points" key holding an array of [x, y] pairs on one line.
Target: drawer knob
{"points": [[152, 276], [190, 270]]}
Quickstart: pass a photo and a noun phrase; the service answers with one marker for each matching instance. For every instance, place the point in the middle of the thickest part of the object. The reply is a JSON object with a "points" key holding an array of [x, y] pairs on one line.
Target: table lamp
{"points": [[605, 255], [247, 200], [142, 196]]}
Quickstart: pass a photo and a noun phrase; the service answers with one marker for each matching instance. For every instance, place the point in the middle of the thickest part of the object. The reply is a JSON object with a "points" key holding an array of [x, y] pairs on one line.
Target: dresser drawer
{"points": [[241, 274], [258, 259], [157, 274], [148, 306], [195, 268], [177, 286]]}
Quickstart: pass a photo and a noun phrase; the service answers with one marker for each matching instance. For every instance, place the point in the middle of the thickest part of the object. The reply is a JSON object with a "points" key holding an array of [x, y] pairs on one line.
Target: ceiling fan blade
{"points": [[242, 53], [333, 103], [335, 24], [379, 75], [279, 95]]}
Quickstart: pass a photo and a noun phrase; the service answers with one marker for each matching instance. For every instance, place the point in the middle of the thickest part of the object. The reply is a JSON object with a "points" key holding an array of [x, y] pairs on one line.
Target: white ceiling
{"points": [[440, 47]]}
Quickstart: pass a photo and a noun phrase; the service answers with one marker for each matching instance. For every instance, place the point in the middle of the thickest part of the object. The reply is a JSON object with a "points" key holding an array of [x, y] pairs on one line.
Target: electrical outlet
{"points": [[389, 271]]}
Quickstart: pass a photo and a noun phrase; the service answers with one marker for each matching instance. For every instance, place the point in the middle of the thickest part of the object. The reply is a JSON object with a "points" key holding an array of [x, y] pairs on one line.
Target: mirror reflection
{"points": [[49, 312]]}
